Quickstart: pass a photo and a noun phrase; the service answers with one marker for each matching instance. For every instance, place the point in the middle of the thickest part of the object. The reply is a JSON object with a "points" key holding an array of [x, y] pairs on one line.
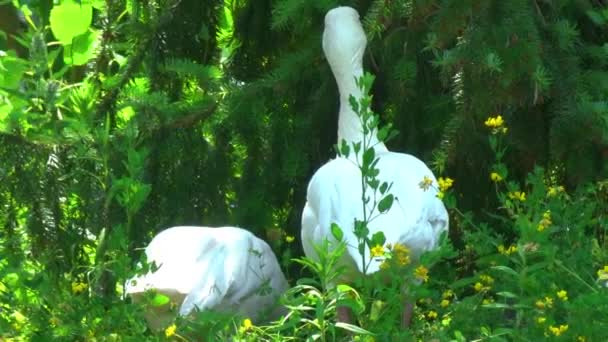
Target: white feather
{"points": [[224, 269]]}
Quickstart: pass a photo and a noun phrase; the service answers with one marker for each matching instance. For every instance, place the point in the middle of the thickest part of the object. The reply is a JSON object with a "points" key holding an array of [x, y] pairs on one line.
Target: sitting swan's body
{"points": [[417, 217], [225, 269]]}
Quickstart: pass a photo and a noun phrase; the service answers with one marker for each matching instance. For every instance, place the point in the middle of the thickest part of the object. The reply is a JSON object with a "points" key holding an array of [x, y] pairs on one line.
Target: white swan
{"points": [[225, 269], [417, 217]]}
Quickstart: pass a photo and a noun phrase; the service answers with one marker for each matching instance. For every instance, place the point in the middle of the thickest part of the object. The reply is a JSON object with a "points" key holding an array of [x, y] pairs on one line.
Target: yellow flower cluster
{"points": [[517, 196], [495, 177], [545, 221], [497, 124], [558, 331], [555, 190], [487, 301], [444, 185], [486, 279], [78, 287], [507, 251], [246, 326], [602, 273], [563, 295], [426, 183], [421, 273], [444, 303], [447, 294], [170, 331], [547, 302], [377, 251], [402, 254], [399, 253]]}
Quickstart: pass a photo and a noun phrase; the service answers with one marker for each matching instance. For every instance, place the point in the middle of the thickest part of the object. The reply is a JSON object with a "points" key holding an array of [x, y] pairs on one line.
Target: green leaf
{"points": [[506, 294], [353, 328], [383, 188], [386, 203], [69, 20], [336, 231], [496, 306], [159, 300], [368, 156], [344, 148], [506, 269], [353, 103], [82, 49], [378, 239], [357, 147]]}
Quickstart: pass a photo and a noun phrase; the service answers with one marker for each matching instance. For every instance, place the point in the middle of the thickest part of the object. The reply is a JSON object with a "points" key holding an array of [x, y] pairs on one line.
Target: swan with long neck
{"points": [[416, 219], [344, 44]]}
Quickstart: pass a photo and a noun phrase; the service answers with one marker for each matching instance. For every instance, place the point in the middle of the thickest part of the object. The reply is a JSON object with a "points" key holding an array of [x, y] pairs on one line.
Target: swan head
{"points": [[344, 41]]}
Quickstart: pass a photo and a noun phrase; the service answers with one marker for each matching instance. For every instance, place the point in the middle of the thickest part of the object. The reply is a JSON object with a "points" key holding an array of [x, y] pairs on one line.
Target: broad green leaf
{"points": [[82, 49], [368, 156], [378, 239], [353, 103], [506, 269], [69, 20], [386, 203], [383, 188], [159, 300], [11, 70], [337, 232]]}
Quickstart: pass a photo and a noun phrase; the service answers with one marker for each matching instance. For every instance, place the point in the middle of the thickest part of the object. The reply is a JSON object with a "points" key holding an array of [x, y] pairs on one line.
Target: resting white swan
{"points": [[417, 217], [225, 269]]}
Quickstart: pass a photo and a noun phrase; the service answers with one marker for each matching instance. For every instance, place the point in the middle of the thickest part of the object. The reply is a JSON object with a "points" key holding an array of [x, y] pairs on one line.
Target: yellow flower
{"points": [[377, 251], [54, 321], [478, 286], [495, 177], [170, 331], [402, 253], [246, 326], [541, 320], [487, 301], [78, 287], [557, 331], [486, 279], [421, 273], [540, 304], [518, 196], [440, 195], [445, 183], [289, 239], [447, 294], [494, 122], [545, 221], [426, 183], [563, 295], [431, 314], [602, 273], [555, 190], [549, 301], [507, 251], [446, 321], [385, 265], [444, 303]]}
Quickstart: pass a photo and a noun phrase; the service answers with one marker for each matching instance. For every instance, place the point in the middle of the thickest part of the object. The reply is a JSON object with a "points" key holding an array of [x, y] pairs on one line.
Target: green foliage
{"points": [[121, 118]]}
